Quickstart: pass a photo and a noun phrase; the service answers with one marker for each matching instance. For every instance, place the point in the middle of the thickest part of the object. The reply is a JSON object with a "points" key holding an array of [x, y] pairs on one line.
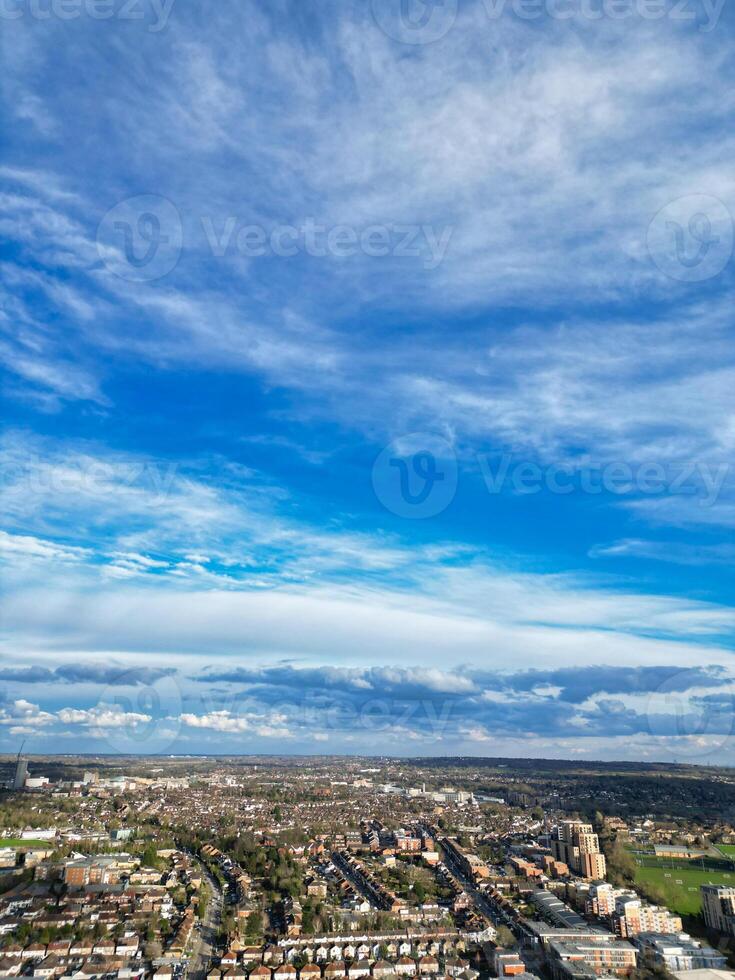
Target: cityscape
{"points": [[367, 490], [282, 869]]}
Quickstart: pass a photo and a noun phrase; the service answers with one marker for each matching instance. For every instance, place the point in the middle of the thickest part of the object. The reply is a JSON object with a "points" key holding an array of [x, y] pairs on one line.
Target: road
{"points": [[482, 902], [354, 879], [528, 950], [205, 932]]}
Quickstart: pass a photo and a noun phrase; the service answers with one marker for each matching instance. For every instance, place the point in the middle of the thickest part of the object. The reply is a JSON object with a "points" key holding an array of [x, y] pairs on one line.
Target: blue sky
{"points": [[368, 377]]}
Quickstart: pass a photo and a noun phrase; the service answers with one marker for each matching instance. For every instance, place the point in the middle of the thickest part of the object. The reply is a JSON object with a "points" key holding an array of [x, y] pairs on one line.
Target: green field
{"points": [[727, 849], [17, 842], [681, 886]]}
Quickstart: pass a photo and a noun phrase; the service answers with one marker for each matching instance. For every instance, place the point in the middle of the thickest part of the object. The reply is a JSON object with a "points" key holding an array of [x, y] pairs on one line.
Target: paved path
{"points": [[205, 932]]}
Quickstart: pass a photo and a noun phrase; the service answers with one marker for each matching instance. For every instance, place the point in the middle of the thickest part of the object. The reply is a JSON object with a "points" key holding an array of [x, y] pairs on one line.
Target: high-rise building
{"points": [[21, 771], [577, 845], [592, 865]]}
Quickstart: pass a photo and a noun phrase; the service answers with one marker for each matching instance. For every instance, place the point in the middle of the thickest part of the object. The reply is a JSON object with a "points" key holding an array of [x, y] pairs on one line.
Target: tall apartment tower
{"points": [[21, 771], [577, 845]]}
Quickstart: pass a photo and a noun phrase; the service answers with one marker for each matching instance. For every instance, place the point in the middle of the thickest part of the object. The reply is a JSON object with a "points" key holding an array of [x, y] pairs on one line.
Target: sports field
{"points": [[680, 886], [727, 849], [17, 842]]}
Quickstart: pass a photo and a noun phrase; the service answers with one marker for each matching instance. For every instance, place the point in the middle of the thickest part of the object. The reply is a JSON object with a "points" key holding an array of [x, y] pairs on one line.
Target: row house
{"points": [[234, 973], [405, 966]]}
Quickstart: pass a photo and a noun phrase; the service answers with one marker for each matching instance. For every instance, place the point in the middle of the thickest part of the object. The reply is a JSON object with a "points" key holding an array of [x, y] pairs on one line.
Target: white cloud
{"points": [[26, 546], [224, 721], [358, 626], [24, 714], [103, 716]]}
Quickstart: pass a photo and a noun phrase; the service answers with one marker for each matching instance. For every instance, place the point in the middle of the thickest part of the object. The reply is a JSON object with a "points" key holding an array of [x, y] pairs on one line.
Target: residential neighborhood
{"points": [[312, 871]]}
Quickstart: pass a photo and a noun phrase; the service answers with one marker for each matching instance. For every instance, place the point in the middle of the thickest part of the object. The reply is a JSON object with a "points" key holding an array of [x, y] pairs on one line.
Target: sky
{"points": [[368, 377]]}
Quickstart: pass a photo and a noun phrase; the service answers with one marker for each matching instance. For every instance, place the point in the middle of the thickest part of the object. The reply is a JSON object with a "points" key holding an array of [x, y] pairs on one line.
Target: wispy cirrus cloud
{"points": [[676, 552]]}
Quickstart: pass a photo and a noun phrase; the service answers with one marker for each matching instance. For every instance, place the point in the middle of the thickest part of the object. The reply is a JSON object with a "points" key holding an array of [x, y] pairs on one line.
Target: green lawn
{"points": [[17, 842], [727, 849], [681, 886]]}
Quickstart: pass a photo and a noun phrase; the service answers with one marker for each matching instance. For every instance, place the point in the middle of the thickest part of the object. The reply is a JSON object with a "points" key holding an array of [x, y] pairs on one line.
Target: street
{"points": [[205, 932]]}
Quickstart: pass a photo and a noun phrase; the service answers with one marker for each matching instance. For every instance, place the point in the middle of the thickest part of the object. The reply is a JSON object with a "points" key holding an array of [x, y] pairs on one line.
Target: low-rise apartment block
{"points": [[718, 908]]}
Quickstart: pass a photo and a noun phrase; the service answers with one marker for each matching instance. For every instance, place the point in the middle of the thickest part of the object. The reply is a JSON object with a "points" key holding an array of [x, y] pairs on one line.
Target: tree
{"points": [[504, 937], [620, 863], [204, 896], [254, 925]]}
